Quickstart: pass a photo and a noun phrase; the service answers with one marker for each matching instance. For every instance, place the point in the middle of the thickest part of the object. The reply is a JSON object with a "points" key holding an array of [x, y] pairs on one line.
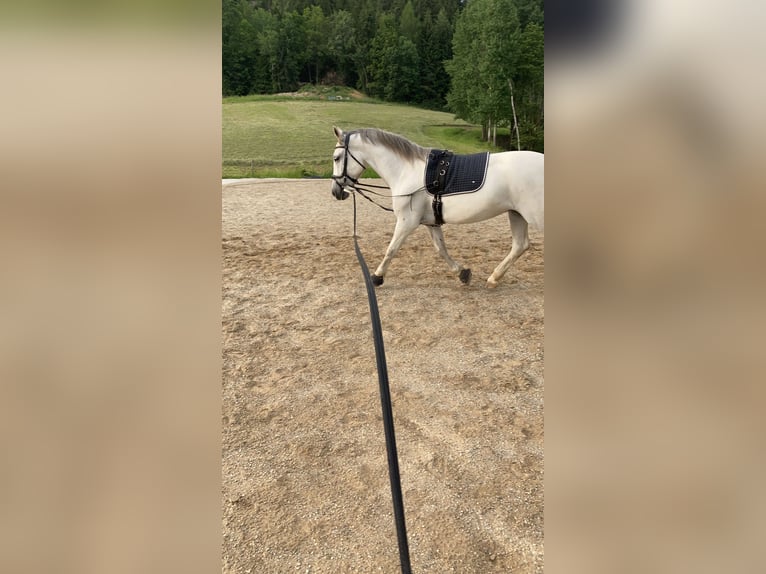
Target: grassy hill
{"points": [[291, 135]]}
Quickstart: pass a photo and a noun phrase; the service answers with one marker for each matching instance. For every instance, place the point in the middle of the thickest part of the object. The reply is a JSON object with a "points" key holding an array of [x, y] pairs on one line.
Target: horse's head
{"points": [[344, 172]]}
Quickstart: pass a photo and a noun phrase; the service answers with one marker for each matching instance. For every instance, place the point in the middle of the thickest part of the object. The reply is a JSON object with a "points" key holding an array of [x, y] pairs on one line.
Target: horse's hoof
{"points": [[465, 276], [377, 280], [491, 283]]}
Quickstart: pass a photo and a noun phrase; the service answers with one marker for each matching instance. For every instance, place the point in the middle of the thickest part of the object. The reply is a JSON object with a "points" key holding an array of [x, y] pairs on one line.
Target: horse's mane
{"points": [[396, 143]]}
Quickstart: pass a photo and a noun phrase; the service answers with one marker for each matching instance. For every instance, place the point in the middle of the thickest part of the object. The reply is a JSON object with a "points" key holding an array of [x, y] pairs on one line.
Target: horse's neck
{"points": [[394, 170]]}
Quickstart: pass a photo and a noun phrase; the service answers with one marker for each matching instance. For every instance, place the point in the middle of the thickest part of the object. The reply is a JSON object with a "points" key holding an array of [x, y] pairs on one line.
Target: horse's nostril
{"points": [[339, 193]]}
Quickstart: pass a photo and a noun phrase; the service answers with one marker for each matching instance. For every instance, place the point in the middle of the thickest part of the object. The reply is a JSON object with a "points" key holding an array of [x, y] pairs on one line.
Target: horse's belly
{"points": [[474, 207]]}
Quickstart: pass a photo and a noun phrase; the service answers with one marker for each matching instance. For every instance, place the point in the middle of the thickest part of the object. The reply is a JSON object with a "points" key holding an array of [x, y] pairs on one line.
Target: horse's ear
{"points": [[338, 133]]}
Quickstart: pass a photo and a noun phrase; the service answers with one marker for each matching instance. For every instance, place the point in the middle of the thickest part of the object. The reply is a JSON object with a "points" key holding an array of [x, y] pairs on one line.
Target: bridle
{"points": [[354, 185], [344, 177], [346, 181]]}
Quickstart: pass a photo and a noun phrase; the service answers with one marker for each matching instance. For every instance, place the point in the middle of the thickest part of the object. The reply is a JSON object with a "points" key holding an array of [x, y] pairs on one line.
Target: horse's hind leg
{"points": [[519, 231], [437, 236]]}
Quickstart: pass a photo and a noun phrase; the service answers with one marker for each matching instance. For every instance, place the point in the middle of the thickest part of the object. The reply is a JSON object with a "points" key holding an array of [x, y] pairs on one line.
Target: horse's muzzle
{"points": [[338, 192]]}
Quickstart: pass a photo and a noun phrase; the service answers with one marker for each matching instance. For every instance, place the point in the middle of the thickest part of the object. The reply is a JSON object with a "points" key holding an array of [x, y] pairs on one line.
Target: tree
{"points": [[531, 86], [238, 50], [365, 16], [496, 70], [409, 24], [342, 45], [282, 43], [530, 12], [393, 68], [405, 78], [464, 97], [482, 59], [435, 50], [317, 31]]}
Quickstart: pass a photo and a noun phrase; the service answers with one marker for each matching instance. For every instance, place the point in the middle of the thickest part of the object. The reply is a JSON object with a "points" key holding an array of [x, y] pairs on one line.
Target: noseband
{"points": [[344, 176]]}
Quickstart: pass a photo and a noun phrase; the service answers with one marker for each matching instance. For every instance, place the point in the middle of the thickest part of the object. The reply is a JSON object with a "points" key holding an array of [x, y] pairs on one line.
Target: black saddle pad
{"points": [[463, 173]]}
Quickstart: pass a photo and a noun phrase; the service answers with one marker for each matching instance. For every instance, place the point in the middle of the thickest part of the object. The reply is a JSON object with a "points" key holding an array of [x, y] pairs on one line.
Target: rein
{"points": [[361, 191], [385, 402]]}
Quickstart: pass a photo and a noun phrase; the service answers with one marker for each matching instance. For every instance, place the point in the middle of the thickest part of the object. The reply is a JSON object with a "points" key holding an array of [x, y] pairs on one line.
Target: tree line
{"points": [[480, 59]]}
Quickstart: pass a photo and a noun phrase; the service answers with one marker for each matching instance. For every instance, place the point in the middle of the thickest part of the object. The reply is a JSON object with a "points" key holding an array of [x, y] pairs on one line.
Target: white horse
{"points": [[514, 184]]}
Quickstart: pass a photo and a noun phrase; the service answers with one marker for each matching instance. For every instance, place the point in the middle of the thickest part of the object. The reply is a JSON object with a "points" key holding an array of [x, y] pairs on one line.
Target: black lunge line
{"points": [[388, 416]]}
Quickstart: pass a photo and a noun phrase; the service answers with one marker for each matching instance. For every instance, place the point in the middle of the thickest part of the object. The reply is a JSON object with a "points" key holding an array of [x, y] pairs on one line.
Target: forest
{"points": [[482, 60]]}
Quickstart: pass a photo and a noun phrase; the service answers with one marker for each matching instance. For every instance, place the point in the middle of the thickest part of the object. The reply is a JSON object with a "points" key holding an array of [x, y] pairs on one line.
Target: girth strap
{"points": [[436, 205], [441, 177]]}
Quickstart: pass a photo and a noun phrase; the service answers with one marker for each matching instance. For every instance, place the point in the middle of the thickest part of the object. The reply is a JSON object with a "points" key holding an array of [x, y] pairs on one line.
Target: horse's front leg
{"points": [[402, 230], [437, 236]]}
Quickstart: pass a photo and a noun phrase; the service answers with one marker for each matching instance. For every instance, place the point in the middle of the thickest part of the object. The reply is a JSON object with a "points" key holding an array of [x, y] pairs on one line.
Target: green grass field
{"points": [[283, 136]]}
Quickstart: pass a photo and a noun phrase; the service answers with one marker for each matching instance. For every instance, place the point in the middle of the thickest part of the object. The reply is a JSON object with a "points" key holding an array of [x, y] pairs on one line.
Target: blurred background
{"points": [[110, 339], [654, 307], [110, 283]]}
